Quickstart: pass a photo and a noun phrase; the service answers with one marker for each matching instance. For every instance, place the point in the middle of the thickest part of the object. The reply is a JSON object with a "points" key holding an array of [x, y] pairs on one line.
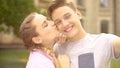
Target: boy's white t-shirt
{"points": [[93, 51]]}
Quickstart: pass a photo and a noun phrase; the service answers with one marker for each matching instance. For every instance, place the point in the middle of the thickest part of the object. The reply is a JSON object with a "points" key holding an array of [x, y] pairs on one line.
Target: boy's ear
{"points": [[79, 14], [37, 40]]}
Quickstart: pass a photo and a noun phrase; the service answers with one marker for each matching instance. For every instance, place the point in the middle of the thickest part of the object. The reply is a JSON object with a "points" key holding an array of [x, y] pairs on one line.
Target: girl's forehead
{"points": [[40, 17]]}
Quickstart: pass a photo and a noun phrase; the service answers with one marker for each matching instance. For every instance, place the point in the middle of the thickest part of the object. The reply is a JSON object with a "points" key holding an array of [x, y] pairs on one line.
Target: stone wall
{"points": [[117, 17]]}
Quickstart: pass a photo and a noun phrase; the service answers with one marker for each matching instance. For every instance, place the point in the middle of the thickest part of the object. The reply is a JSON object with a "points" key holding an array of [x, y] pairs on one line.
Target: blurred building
{"points": [[117, 16], [98, 16], [42, 4]]}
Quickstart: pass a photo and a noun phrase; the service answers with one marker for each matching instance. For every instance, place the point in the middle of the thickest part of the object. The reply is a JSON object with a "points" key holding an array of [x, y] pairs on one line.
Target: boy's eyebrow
{"points": [[63, 16]]}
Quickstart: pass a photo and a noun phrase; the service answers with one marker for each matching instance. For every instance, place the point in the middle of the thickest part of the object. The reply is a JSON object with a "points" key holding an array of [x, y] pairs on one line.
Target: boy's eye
{"points": [[67, 16], [58, 22]]}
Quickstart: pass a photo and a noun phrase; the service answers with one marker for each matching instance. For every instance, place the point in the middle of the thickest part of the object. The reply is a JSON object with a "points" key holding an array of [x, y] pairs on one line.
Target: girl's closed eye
{"points": [[45, 24]]}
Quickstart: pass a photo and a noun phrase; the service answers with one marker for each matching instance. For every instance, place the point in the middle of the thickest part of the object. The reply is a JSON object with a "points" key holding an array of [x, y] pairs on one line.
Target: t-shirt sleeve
{"points": [[38, 61], [39, 65], [111, 38]]}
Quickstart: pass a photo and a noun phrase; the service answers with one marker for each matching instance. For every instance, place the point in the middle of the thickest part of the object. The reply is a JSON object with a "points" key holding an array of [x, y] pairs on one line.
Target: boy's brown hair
{"points": [[59, 3], [28, 31]]}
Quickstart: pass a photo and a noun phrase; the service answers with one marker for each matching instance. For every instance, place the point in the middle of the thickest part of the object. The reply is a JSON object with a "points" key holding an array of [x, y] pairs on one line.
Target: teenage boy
{"points": [[85, 50]]}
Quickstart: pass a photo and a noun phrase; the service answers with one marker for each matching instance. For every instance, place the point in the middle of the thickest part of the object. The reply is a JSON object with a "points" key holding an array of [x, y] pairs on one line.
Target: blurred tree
{"points": [[12, 12]]}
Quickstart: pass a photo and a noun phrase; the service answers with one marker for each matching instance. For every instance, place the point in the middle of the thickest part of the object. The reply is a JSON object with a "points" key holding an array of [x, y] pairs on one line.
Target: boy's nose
{"points": [[65, 23]]}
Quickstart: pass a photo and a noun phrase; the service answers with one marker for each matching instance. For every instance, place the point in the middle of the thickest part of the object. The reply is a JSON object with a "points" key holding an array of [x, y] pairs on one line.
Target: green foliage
{"points": [[13, 58], [12, 12]]}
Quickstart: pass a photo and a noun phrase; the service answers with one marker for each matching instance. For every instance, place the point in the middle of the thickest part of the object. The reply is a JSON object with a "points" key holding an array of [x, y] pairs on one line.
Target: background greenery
{"points": [[12, 12], [13, 58]]}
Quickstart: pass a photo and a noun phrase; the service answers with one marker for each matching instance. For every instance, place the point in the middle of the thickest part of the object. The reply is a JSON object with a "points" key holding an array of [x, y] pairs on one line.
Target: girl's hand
{"points": [[64, 61], [61, 39]]}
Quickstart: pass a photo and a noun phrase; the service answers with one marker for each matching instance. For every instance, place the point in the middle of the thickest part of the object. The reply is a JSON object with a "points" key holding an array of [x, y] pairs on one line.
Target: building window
{"points": [[104, 26], [80, 2], [104, 3]]}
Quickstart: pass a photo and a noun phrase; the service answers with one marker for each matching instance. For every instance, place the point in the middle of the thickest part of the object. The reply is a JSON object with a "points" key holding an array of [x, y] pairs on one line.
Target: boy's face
{"points": [[67, 21], [45, 28]]}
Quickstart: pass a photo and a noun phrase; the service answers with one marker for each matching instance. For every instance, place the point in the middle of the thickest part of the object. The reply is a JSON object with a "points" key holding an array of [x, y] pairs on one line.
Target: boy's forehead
{"points": [[61, 11]]}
